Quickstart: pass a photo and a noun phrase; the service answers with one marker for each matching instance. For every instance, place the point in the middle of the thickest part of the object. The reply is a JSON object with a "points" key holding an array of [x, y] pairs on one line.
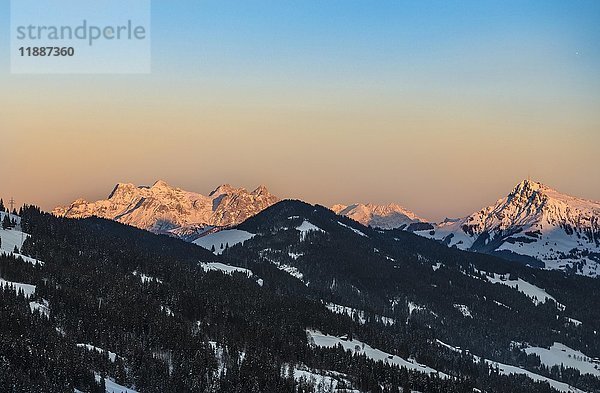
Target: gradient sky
{"points": [[441, 106]]}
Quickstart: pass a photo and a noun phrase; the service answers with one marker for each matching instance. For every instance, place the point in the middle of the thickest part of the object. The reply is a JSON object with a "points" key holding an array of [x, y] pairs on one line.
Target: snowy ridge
{"points": [[162, 208], [378, 216], [353, 229], [535, 221]]}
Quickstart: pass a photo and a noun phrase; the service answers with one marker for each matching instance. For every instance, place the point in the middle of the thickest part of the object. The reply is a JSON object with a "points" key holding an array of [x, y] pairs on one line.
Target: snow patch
{"points": [[228, 269], [28, 289], [307, 226], [167, 311], [111, 355], [146, 279], [113, 387], [357, 347], [11, 238], [42, 306], [353, 229], [559, 354], [291, 270], [536, 294], [502, 304], [323, 380], [574, 321], [359, 314], [464, 310], [220, 239]]}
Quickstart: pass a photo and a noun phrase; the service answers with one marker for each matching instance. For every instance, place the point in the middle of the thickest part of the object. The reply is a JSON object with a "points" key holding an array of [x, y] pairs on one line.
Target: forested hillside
{"points": [[92, 305]]}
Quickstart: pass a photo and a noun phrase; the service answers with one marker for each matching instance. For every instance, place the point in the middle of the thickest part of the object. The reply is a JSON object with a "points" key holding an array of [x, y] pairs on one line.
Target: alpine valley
{"points": [[157, 289]]}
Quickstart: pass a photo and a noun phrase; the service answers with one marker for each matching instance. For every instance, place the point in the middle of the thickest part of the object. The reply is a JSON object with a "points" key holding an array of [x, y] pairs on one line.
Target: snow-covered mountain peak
{"points": [[532, 220], [163, 208], [529, 192], [379, 216], [528, 185], [533, 203]]}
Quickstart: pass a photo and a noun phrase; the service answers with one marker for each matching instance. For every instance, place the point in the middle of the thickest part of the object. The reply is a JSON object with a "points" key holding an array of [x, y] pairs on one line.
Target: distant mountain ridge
{"points": [[379, 216], [162, 208]]}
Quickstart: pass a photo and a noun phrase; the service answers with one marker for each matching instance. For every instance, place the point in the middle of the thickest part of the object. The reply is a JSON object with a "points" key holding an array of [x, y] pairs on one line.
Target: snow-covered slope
{"points": [[223, 239], [505, 369], [533, 221], [162, 208], [14, 238], [378, 216], [358, 347], [559, 354]]}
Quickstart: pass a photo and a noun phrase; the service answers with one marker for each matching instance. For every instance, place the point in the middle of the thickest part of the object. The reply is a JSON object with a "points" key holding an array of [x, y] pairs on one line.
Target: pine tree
{"points": [[6, 224], [2, 208]]}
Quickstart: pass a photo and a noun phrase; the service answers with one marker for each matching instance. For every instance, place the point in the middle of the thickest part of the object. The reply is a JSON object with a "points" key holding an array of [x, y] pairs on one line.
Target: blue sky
{"points": [[291, 34]]}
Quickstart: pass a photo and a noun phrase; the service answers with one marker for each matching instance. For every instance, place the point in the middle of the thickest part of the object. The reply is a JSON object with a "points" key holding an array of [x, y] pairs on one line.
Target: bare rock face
{"points": [[162, 208]]}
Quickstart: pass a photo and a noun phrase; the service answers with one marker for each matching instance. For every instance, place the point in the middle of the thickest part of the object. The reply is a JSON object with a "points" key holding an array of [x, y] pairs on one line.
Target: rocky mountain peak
{"points": [[261, 190], [163, 208], [225, 189], [161, 184]]}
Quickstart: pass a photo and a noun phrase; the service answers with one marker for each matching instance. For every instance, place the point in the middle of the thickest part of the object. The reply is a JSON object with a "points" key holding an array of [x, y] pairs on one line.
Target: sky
{"points": [[440, 106]]}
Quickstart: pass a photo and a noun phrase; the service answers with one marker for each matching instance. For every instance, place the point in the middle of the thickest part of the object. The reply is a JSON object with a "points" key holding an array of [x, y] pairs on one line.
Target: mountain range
{"points": [[165, 209], [534, 224]]}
